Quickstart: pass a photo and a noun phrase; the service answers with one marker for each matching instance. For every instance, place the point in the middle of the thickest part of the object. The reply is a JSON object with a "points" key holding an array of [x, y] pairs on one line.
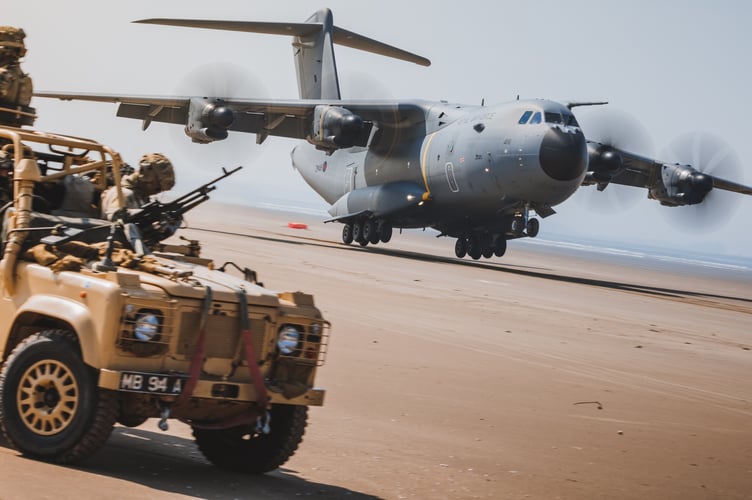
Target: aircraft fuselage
{"points": [[465, 166]]}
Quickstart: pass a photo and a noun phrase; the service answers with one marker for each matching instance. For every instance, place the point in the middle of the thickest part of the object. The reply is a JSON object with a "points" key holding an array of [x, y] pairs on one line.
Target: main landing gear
{"points": [[483, 244], [367, 231]]}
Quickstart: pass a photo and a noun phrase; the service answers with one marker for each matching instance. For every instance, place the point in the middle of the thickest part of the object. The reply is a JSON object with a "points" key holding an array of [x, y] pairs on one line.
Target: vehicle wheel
{"points": [[518, 226], [50, 406], [500, 246], [460, 247], [357, 231], [131, 420], [369, 230], [487, 252], [473, 248], [241, 449], [374, 237], [347, 234], [385, 232], [533, 226]]}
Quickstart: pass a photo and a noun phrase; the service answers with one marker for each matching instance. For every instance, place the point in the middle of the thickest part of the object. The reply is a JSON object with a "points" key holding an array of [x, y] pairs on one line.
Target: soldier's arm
{"points": [[5, 82]]}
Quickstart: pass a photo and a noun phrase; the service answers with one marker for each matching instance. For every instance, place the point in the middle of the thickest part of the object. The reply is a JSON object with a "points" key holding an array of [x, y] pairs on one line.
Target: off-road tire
{"points": [[65, 417], [241, 449], [131, 420]]}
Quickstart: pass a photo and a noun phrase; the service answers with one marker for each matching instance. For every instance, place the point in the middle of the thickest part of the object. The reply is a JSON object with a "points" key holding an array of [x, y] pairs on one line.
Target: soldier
{"points": [[6, 179], [154, 175], [15, 85]]}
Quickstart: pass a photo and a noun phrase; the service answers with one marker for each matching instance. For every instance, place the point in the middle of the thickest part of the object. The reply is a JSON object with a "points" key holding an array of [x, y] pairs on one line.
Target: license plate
{"points": [[151, 383]]}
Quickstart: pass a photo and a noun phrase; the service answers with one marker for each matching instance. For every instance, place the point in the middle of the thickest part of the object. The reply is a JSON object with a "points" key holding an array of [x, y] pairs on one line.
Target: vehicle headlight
{"points": [[146, 327], [288, 338]]}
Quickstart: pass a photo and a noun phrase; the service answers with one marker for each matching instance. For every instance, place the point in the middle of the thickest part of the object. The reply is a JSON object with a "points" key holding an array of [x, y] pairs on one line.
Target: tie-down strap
{"points": [[262, 398], [199, 351]]}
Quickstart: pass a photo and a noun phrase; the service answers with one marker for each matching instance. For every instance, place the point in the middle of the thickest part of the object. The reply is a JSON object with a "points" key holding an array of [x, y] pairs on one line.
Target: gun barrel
{"points": [[158, 221]]}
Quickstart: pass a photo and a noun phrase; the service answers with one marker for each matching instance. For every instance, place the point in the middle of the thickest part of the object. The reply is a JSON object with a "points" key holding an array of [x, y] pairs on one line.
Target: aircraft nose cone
{"points": [[563, 155]]}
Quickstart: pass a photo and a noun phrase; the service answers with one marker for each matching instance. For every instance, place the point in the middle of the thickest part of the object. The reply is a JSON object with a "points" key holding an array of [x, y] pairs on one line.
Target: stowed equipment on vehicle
{"points": [[104, 323]]}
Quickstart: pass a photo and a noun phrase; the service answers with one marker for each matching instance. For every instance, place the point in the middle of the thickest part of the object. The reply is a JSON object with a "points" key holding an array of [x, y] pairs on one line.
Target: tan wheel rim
{"points": [[47, 397]]}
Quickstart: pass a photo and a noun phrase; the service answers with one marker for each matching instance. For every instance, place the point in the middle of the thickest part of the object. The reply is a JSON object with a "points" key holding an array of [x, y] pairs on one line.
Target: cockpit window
{"points": [[553, 118], [571, 121], [525, 117], [536, 118]]}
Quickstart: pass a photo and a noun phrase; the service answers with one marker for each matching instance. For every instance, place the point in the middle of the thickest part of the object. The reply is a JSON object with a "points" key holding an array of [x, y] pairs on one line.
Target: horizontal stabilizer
{"points": [[340, 36], [360, 42], [290, 29]]}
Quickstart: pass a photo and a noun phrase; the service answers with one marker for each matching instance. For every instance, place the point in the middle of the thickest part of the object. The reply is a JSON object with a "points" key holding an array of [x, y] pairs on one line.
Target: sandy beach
{"points": [[543, 374]]}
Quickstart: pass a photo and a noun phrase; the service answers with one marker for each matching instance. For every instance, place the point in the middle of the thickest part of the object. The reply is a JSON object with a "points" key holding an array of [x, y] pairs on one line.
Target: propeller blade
{"points": [[711, 156], [221, 80], [618, 129]]}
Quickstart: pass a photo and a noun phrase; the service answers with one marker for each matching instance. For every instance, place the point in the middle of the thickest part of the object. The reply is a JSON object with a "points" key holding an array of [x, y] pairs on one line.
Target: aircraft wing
{"points": [[206, 118], [672, 184]]}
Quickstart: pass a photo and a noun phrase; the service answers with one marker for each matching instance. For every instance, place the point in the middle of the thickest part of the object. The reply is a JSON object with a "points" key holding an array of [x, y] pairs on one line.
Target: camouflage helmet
{"points": [[156, 170], [13, 38]]}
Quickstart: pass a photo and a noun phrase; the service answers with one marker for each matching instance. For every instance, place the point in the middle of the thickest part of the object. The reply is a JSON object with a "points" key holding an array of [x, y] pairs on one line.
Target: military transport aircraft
{"points": [[479, 174]]}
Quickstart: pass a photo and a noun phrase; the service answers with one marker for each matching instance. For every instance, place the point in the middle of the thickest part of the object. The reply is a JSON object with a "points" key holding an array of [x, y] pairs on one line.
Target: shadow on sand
{"points": [[699, 298], [173, 464]]}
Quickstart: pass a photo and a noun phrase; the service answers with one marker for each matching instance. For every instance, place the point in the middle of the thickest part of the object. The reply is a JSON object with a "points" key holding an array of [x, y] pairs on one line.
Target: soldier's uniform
{"points": [[15, 86], [6, 177], [154, 175]]}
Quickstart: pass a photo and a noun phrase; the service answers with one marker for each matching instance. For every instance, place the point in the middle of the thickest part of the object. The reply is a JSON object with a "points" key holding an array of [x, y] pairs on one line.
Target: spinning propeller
{"points": [[607, 131], [207, 83], [712, 161]]}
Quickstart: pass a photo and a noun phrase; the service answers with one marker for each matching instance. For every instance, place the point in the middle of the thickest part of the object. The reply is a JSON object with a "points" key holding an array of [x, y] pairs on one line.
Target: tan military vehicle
{"points": [[100, 324]]}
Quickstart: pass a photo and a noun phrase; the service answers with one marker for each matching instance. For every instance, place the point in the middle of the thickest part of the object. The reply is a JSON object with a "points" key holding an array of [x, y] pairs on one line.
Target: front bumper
{"points": [[169, 386]]}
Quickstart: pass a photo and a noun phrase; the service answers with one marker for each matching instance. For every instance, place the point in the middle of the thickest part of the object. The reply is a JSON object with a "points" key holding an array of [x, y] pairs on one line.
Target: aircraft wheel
{"points": [[385, 232], [375, 238], [473, 248], [357, 231], [460, 247], [500, 246], [369, 230], [347, 234], [533, 226], [517, 226], [487, 252]]}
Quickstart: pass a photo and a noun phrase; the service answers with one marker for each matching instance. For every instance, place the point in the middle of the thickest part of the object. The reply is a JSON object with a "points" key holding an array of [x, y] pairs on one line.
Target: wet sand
{"points": [[544, 374]]}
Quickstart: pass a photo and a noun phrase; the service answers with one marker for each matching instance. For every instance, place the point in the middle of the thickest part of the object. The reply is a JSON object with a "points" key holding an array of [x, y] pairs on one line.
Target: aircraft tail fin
{"points": [[314, 59], [313, 47]]}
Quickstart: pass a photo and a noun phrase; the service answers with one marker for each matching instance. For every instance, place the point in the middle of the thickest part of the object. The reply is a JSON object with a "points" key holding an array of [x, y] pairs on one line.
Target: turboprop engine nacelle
{"points": [[208, 120], [335, 128], [603, 163], [682, 185]]}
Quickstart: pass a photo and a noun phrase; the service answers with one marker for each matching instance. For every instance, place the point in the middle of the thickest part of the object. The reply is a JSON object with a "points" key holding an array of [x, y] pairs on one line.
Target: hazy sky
{"points": [[676, 66]]}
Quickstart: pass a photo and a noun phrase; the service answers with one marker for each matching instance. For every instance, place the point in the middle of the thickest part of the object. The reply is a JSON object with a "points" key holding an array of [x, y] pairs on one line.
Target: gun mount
{"points": [[158, 221]]}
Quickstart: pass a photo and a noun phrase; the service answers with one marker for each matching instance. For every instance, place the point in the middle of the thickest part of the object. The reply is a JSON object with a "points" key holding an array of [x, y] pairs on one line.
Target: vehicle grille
{"points": [[223, 335]]}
